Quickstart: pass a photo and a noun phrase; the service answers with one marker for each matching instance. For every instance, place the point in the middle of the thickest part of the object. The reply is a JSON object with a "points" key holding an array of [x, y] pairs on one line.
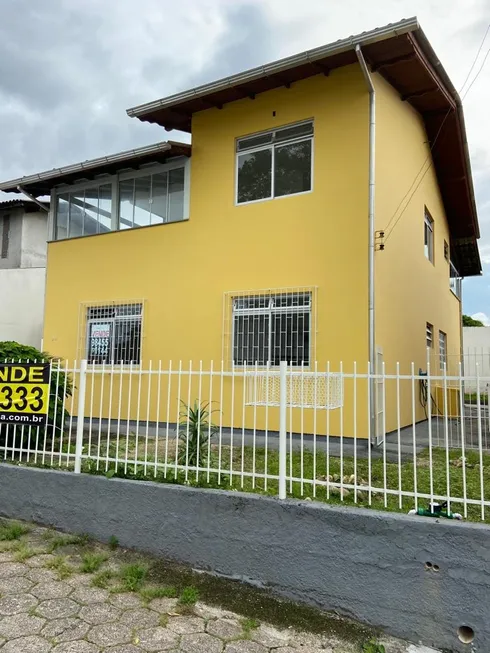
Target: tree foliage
{"points": [[468, 321]]}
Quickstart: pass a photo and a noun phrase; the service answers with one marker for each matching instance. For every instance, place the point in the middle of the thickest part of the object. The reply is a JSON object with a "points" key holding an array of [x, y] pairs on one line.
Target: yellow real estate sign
{"points": [[24, 393]]}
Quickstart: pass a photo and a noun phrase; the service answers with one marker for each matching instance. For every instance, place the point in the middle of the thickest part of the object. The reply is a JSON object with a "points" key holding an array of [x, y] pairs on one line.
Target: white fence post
{"points": [[282, 428], [80, 416]]}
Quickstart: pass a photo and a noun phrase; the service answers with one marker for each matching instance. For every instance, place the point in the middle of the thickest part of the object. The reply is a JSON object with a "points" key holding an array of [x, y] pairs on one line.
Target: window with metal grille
{"points": [[442, 350], [114, 334], [5, 237], [429, 335], [271, 328], [446, 250], [429, 236], [274, 163]]}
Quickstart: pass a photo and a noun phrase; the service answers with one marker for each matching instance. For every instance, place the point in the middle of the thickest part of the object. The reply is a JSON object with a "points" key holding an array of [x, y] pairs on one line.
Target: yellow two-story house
{"points": [[324, 212]]}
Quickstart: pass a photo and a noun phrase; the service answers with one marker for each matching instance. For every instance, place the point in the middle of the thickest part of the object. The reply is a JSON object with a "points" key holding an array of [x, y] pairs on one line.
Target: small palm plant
{"points": [[195, 432]]}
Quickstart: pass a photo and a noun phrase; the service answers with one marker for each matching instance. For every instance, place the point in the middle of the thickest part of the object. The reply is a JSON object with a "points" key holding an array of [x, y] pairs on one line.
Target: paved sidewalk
{"points": [[48, 604]]}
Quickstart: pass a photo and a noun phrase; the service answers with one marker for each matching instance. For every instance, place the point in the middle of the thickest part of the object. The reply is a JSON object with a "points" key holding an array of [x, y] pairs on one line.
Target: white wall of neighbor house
{"points": [[22, 305], [23, 276], [476, 352], [34, 239]]}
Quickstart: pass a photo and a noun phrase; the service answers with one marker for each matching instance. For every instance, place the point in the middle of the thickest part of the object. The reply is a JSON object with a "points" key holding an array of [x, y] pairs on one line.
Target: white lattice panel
{"points": [[304, 389]]}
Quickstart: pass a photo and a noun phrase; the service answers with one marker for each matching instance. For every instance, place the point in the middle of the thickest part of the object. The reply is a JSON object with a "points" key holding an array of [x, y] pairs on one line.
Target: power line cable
{"points": [[434, 143]]}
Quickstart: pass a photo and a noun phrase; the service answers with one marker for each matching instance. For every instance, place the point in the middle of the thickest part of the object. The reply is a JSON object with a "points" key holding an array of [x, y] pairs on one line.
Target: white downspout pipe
{"points": [[371, 239]]}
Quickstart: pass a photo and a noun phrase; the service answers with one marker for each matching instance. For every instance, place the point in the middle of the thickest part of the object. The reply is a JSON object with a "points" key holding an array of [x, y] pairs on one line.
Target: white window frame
{"points": [[272, 145], [271, 310], [113, 180], [429, 335], [442, 350], [429, 229]]}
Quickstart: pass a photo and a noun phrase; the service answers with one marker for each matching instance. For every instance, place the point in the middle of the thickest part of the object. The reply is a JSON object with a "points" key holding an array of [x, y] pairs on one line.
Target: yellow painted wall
{"points": [[410, 290], [182, 270]]}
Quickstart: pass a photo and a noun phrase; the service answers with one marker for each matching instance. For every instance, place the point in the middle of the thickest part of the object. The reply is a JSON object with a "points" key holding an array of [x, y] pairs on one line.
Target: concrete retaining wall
{"points": [[364, 564]]}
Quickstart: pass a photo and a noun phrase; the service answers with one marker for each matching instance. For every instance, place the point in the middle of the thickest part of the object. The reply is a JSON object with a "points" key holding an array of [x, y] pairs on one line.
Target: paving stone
{"points": [[308, 640], [89, 595], [270, 637], [58, 608], [212, 612], [79, 580], [6, 556], [76, 647], [42, 575], [110, 634], [55, 589], [186, 625], [200, 643], [245, 646], [15, 585], [66, 630], [308, 649], [20, 624], [163, 606], [125, 648], [9, 569], [99, 613], [157, 639], [30, 644], [224, 628], [140, 618], [39, 560], [126, 600], [15, 603]]}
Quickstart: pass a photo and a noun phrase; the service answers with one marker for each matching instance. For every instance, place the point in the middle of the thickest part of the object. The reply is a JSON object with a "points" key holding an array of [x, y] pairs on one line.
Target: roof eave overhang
{"points": [[42, 183]]}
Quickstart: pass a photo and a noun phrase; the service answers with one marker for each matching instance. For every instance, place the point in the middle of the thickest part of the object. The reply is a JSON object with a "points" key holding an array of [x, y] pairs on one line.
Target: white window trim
{"points": [[273, 146], [177, 162], [429, 224]]}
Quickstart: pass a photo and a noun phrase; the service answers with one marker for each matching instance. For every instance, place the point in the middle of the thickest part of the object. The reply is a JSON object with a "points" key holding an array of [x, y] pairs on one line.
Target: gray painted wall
{"points": [[362, 563], [34, 239]]}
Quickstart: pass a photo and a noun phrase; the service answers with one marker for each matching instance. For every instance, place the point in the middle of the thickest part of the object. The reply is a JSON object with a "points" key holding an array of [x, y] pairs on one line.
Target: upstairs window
{"points": [[428, 236], [271, 328], [84, 212], [446, 251], [152, 199], [275, 163], [154, 195], [114, 334]]}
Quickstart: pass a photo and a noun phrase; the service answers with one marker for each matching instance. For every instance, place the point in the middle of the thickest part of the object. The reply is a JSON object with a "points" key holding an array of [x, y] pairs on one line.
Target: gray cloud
{"points": [[69, 69]]}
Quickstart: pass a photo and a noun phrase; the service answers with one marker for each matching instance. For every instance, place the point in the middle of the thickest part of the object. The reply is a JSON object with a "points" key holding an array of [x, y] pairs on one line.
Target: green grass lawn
{"points": [[463, 480]]}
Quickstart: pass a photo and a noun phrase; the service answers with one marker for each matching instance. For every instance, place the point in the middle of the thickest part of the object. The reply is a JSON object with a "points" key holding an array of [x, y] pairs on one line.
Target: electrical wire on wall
{"points": [[427, 164]]}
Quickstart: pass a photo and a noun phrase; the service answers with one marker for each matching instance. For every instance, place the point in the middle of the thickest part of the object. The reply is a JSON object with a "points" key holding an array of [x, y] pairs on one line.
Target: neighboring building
{"points": [[23, 236], [262, 253], [476, 355]]}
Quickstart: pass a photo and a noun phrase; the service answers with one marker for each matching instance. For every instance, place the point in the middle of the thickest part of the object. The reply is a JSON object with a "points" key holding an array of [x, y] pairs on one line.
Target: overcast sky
{"points": [[69, 69]]}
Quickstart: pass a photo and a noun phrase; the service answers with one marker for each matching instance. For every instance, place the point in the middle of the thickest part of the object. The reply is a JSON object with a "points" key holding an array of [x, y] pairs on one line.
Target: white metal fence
{"points": [[287, 432]]}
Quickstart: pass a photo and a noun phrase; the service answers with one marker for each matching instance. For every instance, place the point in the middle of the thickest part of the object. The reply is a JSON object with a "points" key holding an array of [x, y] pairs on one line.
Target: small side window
{"points": [[4, 250], [429, 335], [446, 251], [429, 236]]}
